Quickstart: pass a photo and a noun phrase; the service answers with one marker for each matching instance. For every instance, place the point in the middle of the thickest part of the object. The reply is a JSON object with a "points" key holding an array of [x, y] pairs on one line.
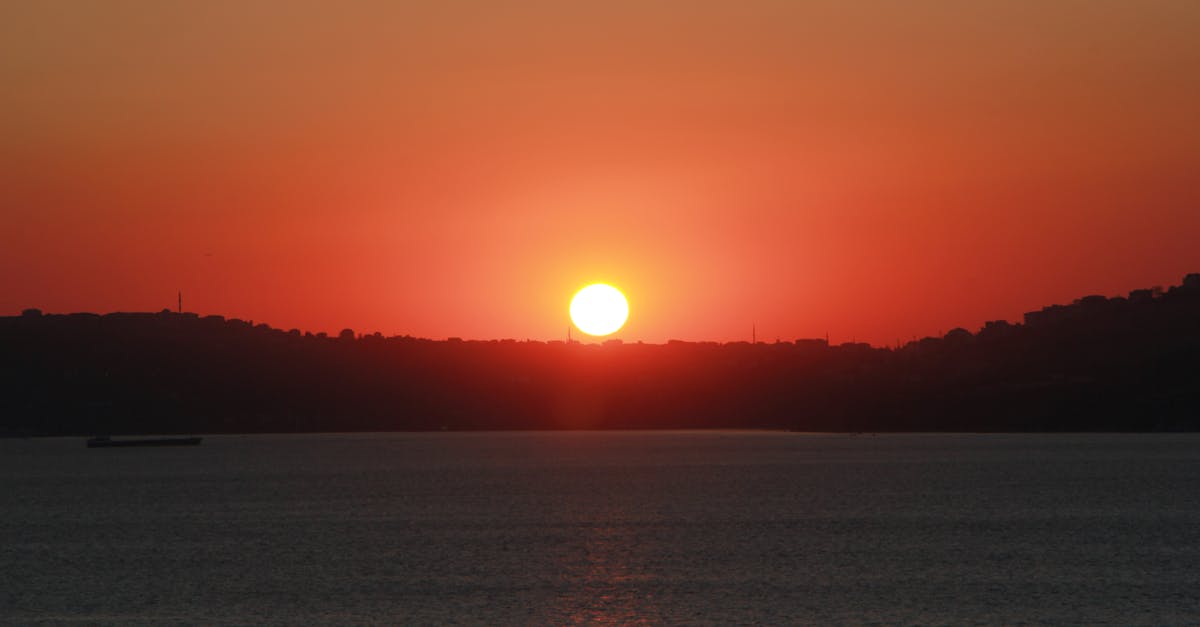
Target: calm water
{"points": [[555, 528]]}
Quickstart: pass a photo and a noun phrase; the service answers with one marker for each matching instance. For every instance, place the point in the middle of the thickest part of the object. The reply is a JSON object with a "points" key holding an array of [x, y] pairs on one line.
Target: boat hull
{"points": [[107, 443]]}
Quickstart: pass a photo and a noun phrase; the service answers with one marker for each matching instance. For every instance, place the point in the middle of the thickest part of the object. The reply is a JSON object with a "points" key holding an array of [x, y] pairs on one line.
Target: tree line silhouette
{"points": [[1099, 364]]}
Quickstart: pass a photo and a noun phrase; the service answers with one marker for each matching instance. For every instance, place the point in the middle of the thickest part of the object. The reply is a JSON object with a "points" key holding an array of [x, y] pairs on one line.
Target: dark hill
{"points": [[1099, 364]]}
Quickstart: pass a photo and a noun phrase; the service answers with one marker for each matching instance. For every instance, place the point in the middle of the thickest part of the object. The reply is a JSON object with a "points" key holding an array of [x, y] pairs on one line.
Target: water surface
{"points": [[586, 527]]}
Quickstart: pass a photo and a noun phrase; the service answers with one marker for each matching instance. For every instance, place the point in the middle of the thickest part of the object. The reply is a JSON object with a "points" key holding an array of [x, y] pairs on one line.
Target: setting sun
{"points": [[599, 309]]}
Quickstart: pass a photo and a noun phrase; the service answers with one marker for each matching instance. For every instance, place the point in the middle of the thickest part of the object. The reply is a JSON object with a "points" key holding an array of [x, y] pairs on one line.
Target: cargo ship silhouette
{"points": [[107, 442]]}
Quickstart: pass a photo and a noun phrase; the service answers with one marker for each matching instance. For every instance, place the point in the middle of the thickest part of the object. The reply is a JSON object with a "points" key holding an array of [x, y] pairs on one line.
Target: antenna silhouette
{"points": [[180, 303]]}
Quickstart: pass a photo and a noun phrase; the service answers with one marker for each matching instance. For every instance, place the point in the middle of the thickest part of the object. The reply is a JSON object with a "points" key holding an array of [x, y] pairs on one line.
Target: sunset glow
{"points": [[876, 171]]}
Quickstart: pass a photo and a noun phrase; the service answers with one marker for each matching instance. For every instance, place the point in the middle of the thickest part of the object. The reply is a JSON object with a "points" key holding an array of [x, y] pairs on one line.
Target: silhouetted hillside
{"points": [[1129, 364]]}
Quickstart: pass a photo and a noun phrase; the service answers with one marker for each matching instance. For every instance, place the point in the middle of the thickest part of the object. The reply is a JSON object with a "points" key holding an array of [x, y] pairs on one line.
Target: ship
{"points": [[107, 442]]}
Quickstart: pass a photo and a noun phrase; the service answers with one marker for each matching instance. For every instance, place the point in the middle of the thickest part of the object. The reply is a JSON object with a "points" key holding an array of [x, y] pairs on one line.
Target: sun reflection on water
{"points": [[606, 580]]}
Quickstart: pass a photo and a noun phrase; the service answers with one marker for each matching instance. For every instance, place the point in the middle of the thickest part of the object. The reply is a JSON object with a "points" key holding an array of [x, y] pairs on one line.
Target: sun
{"points": [[599, 309]]}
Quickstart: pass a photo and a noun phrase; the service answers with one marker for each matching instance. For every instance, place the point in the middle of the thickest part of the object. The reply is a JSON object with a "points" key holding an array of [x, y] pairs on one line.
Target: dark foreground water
{"points": [[555, 528]]}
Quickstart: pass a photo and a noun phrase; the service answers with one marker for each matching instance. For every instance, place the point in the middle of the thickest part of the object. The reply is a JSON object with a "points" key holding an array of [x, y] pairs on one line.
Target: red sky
{"points": [[874, 170]]}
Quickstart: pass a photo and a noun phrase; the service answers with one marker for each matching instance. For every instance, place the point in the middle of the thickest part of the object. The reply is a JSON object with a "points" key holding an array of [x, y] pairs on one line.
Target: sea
{"points": [[566, 528]]}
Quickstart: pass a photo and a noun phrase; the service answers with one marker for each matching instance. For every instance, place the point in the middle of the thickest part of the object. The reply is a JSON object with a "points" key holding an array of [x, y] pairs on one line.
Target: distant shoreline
{"points": [[647, 431], [1099, 365]]}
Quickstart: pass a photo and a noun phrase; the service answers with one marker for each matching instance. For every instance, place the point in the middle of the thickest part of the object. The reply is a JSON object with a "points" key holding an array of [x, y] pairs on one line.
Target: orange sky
{"points": [[875, 170]]}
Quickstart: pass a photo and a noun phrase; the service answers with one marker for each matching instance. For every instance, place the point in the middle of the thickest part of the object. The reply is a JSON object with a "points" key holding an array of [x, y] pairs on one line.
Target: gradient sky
{"points": [[874, 170]]}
